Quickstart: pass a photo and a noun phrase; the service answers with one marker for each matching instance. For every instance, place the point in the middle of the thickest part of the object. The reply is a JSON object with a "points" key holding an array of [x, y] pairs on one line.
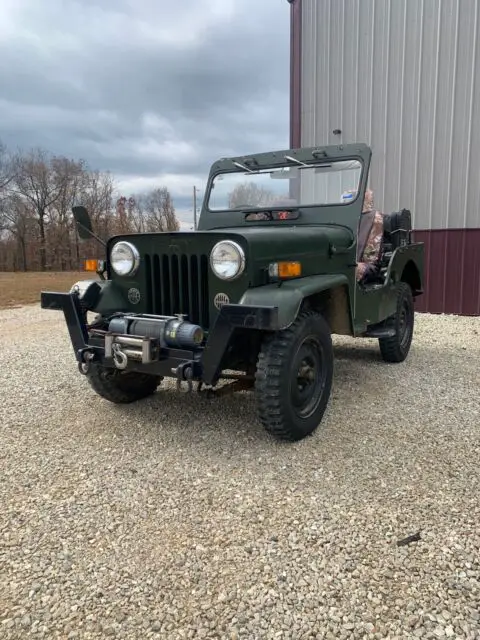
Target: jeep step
{"points": [[381, 330]]}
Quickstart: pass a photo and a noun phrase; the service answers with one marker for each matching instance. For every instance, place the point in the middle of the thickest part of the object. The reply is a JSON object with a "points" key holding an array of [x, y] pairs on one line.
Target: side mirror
{"points": [[84, 224]]}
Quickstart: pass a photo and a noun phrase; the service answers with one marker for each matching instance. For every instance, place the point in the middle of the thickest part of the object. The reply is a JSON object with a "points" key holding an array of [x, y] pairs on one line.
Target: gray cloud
{"points": [[149, 89]]}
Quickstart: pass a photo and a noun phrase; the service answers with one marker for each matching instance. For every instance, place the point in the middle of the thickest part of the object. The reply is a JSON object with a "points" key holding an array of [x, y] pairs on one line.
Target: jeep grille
{"points": [[178, 284]]}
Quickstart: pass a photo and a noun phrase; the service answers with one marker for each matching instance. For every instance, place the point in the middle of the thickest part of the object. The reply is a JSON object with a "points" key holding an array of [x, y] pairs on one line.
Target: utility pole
{"points": [[194, 208]]}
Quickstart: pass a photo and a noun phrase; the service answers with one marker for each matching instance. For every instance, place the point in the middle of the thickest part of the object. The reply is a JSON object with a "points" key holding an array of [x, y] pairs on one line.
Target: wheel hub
{"points": [[308, 378]]}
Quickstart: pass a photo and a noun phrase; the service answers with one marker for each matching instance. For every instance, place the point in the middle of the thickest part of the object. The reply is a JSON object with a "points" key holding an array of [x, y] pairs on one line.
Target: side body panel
{"points": [[374, 304]]}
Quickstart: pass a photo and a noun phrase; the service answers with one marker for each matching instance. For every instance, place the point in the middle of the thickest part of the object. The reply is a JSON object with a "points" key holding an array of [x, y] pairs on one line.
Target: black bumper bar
{"points": [[205, 362], [70, 305]]}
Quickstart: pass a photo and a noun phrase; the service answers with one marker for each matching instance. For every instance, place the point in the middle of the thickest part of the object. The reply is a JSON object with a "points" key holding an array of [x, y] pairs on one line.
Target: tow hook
{"points": [[120, 359], [184, 373], [86, 356]]}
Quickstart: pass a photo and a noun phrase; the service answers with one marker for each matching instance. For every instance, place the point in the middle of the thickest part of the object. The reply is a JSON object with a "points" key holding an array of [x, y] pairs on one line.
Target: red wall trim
{"points": [[295, 74], [451, 272]]}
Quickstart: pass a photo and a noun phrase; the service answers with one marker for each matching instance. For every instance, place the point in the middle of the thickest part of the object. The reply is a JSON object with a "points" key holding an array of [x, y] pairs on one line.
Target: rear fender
{"points": [[406, 264], [289, 295]]}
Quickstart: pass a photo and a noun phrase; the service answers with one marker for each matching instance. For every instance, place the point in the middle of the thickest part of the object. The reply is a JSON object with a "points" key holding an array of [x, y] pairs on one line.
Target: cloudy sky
{"points": [[153, 90]]}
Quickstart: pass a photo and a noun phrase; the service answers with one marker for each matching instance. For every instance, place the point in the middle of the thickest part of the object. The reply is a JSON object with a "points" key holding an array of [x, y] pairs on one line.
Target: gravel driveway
{"points": [[178, 517]]}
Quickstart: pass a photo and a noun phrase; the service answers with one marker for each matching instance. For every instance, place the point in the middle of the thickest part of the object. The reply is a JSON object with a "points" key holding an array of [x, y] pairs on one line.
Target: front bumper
{"points": [[147, 355]]}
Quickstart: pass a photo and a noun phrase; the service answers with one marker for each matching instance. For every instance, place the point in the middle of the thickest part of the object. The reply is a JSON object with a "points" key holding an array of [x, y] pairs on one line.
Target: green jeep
{"points": [[254, 295]]}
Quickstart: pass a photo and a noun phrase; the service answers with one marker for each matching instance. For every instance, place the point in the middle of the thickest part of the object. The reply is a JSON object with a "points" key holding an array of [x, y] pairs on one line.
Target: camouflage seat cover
{"points": [[370, 239]]}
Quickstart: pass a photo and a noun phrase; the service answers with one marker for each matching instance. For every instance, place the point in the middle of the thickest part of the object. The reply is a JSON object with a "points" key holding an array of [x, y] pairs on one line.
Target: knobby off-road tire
{"points": [[396, 348], [293, 379], [121, 387]]}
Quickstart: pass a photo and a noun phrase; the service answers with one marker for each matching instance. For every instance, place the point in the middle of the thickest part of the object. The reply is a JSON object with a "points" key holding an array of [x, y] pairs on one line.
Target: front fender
{"points": [[109, 299], [288, 295]]}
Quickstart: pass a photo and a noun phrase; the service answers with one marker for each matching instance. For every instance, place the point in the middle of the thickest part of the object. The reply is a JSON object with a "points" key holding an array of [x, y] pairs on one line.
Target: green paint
{"points": [[322, 239]]}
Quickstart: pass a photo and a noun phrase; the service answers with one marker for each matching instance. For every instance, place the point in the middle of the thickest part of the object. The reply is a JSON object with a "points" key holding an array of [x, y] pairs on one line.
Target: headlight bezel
{"points": [[241, 260], [135, 258]]}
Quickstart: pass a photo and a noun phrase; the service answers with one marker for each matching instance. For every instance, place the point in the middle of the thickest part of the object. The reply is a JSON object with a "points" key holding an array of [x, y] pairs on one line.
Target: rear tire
{"points": [[294, 376], [396, 348], [121, 387]]}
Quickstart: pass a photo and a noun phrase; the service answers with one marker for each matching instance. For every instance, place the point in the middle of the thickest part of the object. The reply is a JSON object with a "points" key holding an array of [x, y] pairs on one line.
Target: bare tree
{"points": [[249, 195], [148, 212], [6, 177], [7, 172], [97, 194], [69, 176], [18, 222], [157, 211], [37, 192], [39, 180]]}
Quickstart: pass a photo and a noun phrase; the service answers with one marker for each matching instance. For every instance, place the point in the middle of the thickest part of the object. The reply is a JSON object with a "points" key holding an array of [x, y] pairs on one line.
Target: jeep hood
{"points": [[277, 243]]}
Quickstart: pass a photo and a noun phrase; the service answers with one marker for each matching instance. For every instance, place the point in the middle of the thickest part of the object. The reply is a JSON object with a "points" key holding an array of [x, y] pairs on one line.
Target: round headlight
{"points": [[124, 258], [227, 260]]}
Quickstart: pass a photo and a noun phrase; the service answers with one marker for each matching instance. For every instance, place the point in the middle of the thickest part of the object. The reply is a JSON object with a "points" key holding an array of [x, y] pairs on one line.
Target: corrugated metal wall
{"points": [[403, 76]]}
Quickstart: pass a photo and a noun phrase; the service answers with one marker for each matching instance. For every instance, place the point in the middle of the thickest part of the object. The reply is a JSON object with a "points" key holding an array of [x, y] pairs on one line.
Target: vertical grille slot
{"points": [[204, 289], [178, 284], [150, 293], [165, 287], [157, 296], [175, 285], [194, 282], [185, 287]]}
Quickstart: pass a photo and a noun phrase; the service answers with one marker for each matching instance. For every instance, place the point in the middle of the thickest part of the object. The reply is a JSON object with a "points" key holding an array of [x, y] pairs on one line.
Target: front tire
{"points": [[121, 387], [294, 376], [396, 348]]}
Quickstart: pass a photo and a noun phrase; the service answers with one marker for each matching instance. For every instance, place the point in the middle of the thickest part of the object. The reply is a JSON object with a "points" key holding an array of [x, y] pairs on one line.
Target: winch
{"points": [[138, 337]]}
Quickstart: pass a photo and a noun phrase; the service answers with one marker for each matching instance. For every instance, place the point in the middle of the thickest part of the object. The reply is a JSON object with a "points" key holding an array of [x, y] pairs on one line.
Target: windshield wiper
{"points": [[290, 159], [242, 166]]}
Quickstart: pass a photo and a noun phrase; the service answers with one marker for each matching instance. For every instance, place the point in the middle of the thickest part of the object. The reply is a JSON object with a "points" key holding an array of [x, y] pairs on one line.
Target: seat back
{"points": [[364, 229], [397, 229]]}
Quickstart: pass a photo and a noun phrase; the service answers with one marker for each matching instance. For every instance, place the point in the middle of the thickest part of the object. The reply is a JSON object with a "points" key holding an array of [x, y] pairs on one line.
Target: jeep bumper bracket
{"points": [[203, 364], [72, 310], [230, 318]]}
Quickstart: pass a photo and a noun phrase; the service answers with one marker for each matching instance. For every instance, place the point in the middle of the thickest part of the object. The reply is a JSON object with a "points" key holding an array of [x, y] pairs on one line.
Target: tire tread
{"points": [[121, 388], [268, 378], [390, 347]]}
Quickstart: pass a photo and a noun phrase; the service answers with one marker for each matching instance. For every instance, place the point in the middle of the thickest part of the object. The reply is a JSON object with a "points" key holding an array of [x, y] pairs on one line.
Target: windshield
{"points": [[326, 183]]}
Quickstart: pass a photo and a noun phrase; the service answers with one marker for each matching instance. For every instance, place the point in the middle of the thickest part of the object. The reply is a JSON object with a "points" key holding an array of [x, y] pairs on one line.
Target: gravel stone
{"points": [[26, 621], [177, 517]]}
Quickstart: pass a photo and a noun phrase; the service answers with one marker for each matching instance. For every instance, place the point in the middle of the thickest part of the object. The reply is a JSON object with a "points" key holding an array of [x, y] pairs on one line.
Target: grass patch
{"points": [[17, 289]]}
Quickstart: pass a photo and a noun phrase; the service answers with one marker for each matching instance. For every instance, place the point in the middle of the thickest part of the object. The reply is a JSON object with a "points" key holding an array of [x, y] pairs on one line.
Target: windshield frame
{"points": [[265, 169], [345, 214]]}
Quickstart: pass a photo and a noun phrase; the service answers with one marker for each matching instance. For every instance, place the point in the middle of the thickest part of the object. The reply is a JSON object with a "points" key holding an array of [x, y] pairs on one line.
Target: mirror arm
{"points": [[102, 242]]}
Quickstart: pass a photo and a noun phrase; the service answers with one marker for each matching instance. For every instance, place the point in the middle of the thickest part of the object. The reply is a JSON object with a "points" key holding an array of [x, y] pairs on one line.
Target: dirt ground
{"points": [[17, 289]]}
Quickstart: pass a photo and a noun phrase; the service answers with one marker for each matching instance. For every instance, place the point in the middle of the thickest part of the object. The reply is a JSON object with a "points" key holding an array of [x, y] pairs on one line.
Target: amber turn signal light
{"points": [[285, 270], [91, 265]]}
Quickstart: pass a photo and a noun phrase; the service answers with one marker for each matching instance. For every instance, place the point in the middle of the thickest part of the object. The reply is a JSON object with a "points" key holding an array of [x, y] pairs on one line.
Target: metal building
{"points": [[404, 77]]}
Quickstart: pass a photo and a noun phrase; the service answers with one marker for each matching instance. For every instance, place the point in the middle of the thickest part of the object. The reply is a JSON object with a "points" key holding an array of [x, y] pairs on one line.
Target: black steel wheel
{"points": [[294, 376], [121, 387], [396, 348]]}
